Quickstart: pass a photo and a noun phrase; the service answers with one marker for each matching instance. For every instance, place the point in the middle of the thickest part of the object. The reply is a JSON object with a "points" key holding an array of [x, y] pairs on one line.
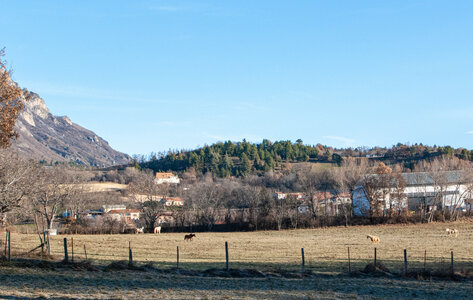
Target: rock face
{"points": [[52, 138]]}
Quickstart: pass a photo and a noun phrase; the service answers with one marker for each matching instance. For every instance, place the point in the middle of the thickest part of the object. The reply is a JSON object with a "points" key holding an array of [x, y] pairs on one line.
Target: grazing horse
{"points": [[452, 232], [157, 230], [374, 239], [140, 230], [188, 237]]}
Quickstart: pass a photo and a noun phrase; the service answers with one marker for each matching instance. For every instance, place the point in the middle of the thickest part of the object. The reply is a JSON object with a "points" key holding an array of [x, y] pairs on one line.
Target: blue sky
{"points": [[158, 75]]}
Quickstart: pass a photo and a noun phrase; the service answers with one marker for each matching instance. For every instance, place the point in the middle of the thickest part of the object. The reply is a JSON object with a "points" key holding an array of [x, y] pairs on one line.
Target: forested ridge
{"points": [[242, 158]]}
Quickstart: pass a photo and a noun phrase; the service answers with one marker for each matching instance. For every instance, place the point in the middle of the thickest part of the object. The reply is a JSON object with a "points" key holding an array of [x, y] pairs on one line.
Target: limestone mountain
{"points": [[45, 136]]}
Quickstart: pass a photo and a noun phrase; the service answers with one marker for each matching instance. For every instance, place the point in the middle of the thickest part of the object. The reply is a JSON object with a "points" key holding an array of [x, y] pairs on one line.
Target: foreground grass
{"points": [[325, 249], [18, 283]]}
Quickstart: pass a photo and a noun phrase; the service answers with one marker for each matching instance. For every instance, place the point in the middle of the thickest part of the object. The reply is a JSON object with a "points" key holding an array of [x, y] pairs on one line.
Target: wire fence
{"points": [[339, 259]]}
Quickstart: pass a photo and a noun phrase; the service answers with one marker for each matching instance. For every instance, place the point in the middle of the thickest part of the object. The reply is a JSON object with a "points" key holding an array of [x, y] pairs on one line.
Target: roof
{"points": [[173, 199], [165, 175], [425, 178], [123, 211]]}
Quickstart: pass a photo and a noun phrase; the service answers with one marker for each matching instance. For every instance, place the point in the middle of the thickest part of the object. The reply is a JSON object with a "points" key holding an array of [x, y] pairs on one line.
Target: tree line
{"points": [[240, 159]]}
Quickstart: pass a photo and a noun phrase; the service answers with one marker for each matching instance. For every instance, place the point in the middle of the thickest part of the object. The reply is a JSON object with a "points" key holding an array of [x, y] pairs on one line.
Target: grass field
{"points": [[325, 249], [21, 283], [325, 254]]}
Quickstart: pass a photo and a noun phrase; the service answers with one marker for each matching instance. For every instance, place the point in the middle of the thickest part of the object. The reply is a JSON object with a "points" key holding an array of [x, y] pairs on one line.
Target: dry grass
{"points": [[104, 187], [326, 253], [325, 249], [21, 283]]}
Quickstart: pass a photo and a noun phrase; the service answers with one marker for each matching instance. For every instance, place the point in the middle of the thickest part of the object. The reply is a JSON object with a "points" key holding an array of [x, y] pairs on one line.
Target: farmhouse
{"points": [[166, 178], [331, 202], [108, 208], [127, 215], [173, 201], [298, 196], [117, 212], [92, 213], [165, 218], [422, 190]]}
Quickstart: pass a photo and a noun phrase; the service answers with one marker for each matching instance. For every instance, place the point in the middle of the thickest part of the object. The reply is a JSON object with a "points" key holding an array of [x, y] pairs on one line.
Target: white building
{"points": [[166, 178], [421, 191], [126, 215], [173, 201]]}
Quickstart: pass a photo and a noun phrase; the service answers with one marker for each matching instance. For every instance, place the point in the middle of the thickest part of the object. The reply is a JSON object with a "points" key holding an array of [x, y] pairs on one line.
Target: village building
{"points": [[162, 177], [165, 218], [126, 215], [298, 196], [173, 201], [116, 212], [421, 191], [330, 203]]}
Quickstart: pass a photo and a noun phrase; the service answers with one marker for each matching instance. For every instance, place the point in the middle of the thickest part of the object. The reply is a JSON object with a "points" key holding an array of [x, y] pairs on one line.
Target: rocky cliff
{"points": [[52, 138]]}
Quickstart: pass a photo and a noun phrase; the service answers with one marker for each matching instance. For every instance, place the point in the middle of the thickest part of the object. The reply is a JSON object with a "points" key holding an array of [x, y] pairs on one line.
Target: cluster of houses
{"points": [[121, 213], [420, 192]]}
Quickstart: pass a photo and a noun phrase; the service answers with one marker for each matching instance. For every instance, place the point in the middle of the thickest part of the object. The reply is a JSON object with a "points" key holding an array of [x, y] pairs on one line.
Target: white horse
{"points": [[452, 232], [157, 230]]}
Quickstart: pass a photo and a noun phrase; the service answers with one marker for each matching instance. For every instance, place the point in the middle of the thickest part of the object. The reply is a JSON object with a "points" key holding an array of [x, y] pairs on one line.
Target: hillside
{"points": [[47, 137], [243, 158]]}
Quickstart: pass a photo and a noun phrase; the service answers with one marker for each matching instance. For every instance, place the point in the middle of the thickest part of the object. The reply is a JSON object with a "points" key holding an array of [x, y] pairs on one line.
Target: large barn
{"points": [[450, 189]]}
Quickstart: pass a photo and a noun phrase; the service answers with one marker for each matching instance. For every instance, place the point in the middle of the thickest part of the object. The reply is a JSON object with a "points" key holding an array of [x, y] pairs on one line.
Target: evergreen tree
{"points": [[245, 167]]}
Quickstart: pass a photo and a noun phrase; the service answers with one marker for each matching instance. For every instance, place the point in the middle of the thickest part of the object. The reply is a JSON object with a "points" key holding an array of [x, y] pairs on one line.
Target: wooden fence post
{"points": [[405, 262], [66, 257], [375, 257], [44, 242], [6, 242], [425, 259], [177, 261], [226, 256], [130, 255], [349, 263], [48, 245], [9, 245], [85, 252], [72, 249], [303, 260], [451, 263]]}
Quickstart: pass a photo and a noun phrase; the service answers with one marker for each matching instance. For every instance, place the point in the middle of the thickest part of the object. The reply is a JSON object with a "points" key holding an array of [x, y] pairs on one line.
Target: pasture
{"points": [[325, 249], [325, 254]]}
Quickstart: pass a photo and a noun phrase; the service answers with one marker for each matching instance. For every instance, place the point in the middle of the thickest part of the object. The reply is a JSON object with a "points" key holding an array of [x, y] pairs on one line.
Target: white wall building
{"points": [[166, 178], [421, 191]]}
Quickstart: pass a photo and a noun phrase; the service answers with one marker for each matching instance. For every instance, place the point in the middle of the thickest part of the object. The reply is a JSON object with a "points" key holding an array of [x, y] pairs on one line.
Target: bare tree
{"points": [[207, 199], [15, 181], [308, 183], [349, 175], [377, 187], [279, 211], [292, 210], [53, 187], [144, 189], [441, 184], [11, 103], [397, 198]]}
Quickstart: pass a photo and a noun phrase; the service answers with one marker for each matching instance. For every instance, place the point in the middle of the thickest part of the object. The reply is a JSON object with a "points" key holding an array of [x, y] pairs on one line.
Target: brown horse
{"points": [[188, 237]]}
